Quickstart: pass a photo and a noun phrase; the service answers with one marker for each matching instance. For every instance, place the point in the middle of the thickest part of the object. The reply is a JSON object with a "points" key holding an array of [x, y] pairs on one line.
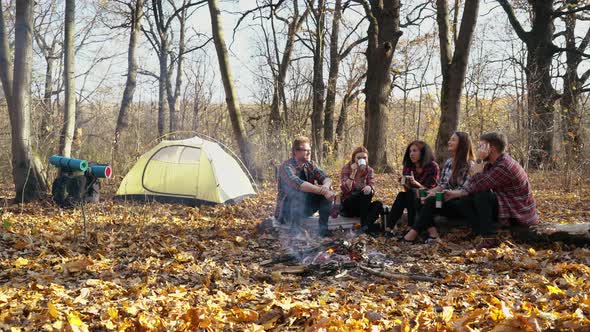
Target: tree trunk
{"points": [[47, 105], [231, 98], [131, 83], [383, 35], [161, 40], [318, 85], [351, 94], [29, 179], [541, 95], [343, 118], [539, 87], [572, 88], [453, 69], [173, 100], [162, 93], [6, 66], [279, 86], [332, 81], [67, 136]]}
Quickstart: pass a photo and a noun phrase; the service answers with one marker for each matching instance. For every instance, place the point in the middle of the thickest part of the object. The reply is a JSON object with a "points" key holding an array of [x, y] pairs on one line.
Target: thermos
{"points": [[422, 194], [439, 199]]}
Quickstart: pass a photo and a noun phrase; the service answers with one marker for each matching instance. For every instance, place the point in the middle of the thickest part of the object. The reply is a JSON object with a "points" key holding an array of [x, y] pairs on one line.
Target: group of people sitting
{"points": [[486, 187]]}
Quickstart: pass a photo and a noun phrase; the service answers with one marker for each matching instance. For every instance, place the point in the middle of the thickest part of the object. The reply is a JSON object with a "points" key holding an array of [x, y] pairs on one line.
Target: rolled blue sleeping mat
{"points": [[68, 164], [101, 171]]}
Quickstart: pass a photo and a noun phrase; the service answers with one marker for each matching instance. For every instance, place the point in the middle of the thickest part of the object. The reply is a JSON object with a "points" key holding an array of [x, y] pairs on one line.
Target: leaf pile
{"points": [[164, 267]]}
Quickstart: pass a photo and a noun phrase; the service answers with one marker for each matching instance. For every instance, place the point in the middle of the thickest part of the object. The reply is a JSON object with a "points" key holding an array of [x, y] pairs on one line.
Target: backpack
{"points": [[69, 190]]}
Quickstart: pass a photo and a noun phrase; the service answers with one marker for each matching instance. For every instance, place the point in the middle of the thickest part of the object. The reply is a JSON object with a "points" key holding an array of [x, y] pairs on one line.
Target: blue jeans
{"points": [[299, 205]]}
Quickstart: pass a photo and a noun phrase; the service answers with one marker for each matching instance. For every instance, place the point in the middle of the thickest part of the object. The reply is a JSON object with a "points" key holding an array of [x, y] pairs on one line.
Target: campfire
{"points": [[345, 252]]}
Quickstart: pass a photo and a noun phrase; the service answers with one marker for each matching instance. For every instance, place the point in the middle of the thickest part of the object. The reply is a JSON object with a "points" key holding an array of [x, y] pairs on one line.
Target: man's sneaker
{"points": [[432, 240], [324, 232], [335, 210]]}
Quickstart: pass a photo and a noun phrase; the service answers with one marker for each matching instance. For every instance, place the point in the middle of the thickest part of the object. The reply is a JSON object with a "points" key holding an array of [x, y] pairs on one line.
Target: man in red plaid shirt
{"points": [[303, 188], [499, 190]]}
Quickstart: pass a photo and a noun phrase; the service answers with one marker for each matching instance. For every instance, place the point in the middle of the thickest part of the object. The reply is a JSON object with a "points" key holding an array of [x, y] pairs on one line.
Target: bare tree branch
{"points": [[419, 18], [195, 48], [304, 42], [302, 58], [350, 34], [585, 41], [248, 12], [179, 10], [559, 34], [371, 18], [520, 32], [351, 47], [584, 77], [151, 37], [148, 73], [567, 12], [574, 50]]}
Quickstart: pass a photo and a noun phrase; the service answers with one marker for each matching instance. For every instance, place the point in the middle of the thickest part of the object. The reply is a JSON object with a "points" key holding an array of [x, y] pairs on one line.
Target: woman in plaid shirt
{"points": [[358, 186], [420, 172], [455, 175]]}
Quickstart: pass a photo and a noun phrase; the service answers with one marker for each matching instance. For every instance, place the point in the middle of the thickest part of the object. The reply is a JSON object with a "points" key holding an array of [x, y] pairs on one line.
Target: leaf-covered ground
{"points": [[163, 267]]}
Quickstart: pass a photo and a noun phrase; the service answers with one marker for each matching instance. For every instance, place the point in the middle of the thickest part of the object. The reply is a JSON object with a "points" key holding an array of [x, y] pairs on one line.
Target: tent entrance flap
{"points": [[171, 171]]}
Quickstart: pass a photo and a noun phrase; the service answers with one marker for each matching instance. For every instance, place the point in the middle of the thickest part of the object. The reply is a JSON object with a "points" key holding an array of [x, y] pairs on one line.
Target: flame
{"points": [[330, 250]]}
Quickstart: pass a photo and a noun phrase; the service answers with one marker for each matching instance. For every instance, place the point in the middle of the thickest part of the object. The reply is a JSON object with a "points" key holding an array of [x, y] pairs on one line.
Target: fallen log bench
{"points": [[577, 234], [312, 223]]}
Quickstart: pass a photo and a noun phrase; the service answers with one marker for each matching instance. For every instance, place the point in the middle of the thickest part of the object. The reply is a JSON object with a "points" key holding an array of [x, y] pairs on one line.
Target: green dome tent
{"points": [[190, 171]]}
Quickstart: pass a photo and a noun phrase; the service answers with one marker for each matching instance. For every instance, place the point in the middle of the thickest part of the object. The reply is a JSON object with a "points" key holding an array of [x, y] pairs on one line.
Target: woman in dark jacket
{"points": [[420, 172]]}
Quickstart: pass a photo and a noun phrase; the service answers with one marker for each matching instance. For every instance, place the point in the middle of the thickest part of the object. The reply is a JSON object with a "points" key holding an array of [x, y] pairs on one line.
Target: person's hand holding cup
{"points": [[411, 181], [483, 151], [326, 192], [329, 194]]}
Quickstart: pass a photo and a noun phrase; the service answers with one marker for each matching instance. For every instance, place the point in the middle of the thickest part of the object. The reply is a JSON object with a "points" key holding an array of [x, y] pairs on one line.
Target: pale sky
{"points": [[244, 63]]}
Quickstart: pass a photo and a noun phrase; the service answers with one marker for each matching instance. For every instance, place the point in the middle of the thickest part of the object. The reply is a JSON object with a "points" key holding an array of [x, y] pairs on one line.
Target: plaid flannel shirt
{"points": [[362, 179], [447, 183], [508, 180], [289, 180], [428, 177]]}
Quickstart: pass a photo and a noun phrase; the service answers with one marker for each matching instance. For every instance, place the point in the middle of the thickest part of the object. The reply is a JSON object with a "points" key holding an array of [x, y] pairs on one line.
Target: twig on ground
{"points": [[398, 276]]}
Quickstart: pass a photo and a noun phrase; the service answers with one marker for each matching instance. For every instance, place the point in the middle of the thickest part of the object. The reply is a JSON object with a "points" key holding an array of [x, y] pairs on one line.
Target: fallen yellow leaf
{"points": [[555, 290], [245, 315], [52, 310], [20, 262], [447, 314], [74, 319], [113, 313]]}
